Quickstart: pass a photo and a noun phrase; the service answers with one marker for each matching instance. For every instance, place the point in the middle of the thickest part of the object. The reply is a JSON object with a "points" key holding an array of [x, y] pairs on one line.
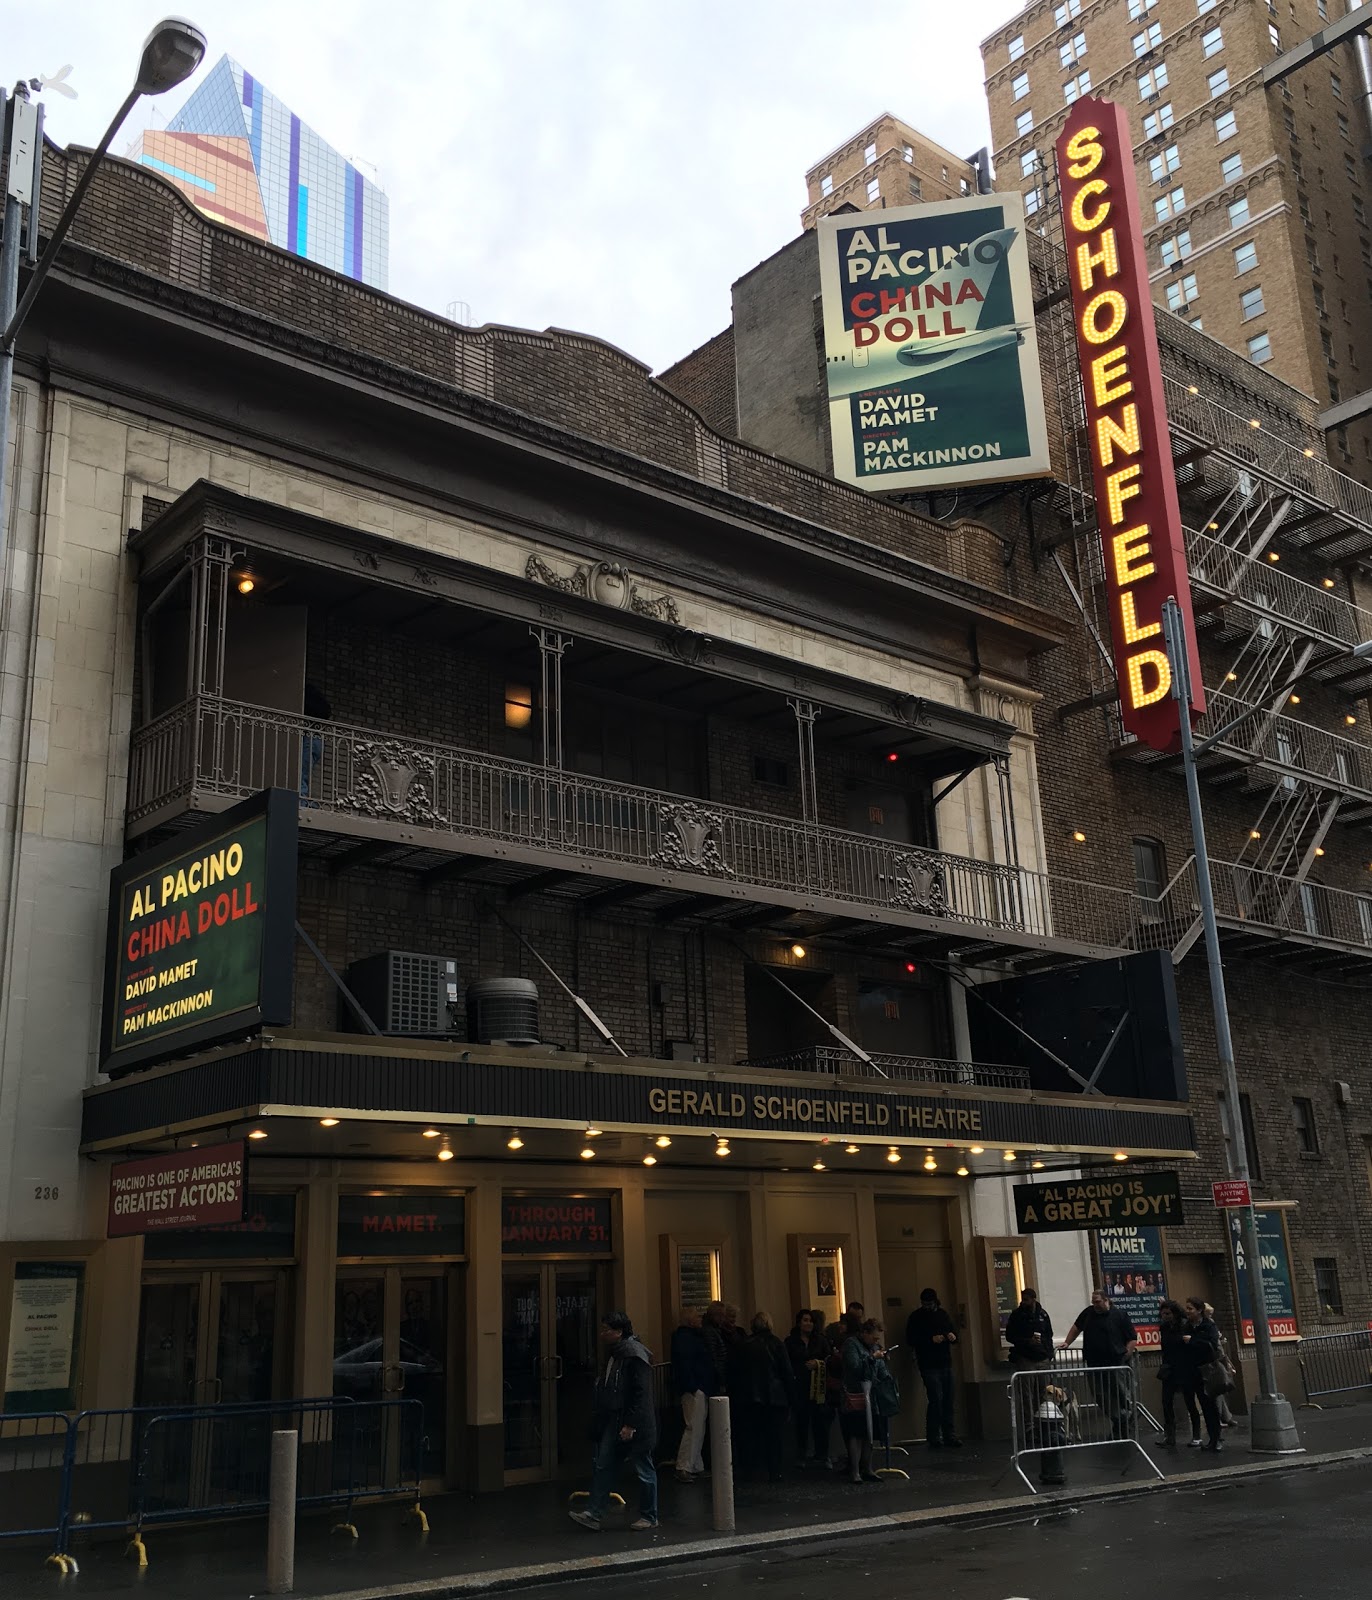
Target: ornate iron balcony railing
{"points": [[839, 1062], [213, 749]]}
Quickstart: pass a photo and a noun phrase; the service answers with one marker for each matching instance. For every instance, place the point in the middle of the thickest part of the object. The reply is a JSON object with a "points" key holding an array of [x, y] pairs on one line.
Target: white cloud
{"points": [[604, 165]]}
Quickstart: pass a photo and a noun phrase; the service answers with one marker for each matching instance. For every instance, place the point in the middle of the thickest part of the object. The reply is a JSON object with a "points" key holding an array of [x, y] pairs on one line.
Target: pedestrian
{"points": [[693, 1379], [930, 1333], [885, 1397], [1205, 1371], [855, 1414], [1108, 1340], [712, 1331], [1222, 1401], [623, 1425], [1029, 1332], [1175, 1374], [807, 1349], [766, 1398]]}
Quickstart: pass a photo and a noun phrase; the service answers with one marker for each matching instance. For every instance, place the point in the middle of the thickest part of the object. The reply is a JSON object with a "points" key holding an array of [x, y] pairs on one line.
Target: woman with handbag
{"points": [[855, 1415], [1174, 1373], [1209, 1377]]}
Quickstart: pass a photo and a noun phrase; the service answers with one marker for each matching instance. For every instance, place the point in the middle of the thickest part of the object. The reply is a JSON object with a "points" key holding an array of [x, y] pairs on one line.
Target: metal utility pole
{"points": [[1272, 1422]]}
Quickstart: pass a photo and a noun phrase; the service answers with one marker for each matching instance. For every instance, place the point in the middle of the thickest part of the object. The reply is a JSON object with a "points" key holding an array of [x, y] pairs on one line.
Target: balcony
{"points": [[840, 1063], [444, 810], [1271, 914], [1275, 751]]}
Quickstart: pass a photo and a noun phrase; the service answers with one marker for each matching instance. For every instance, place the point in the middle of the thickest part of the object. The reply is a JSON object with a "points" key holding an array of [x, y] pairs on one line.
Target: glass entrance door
{"points": [[391, 1342], [551, 1322], [206, 1337]]}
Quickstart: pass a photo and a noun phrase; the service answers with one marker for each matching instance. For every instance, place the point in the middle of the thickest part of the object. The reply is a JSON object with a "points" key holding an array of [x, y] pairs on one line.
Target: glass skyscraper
{"points": [[244, 159]]}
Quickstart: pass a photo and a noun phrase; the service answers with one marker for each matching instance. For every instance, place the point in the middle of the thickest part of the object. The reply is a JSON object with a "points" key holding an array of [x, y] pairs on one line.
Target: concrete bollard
{"points": [[721, 1463], [281, 1513]]}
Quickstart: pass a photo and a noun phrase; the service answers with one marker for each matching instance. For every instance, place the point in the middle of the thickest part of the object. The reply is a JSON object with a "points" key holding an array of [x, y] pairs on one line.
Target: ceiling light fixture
{"points": [[1253, 422], [592, 1132], [962, 1172], [1078, 837], [722, 1148], [1007, 1155], [930, 1165], [893, 1156], [1120, 1156], [445, 1154], [662, 1141], [1295, 699], [1328, 583], [819, 1165], [588, 1154], [328, 1122], [258, 1133], [976, 1150], [1319, 849], [514, 1142], [851, 1149], [1349, 720], [431, 1133], [650, 1161], [1037, 1166], [1273, 555], [798, 951], [1255, 833]]}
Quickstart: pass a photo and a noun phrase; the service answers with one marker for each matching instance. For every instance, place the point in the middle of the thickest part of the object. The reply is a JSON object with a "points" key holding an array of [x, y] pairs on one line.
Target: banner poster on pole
{"points": [[1279, 1291], [1133, 1275]]}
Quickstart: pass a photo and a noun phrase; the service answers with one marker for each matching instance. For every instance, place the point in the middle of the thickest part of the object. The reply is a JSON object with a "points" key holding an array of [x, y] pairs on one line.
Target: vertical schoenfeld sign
{"points": [[932, 362], [1126, 419]]}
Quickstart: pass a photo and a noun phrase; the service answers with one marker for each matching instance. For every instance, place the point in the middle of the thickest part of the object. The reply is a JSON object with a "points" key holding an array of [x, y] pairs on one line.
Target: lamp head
{"points": [[171, 52]]}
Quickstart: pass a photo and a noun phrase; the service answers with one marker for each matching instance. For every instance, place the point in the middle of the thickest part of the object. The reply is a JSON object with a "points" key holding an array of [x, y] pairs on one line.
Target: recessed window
{"points": [[769, 770], [1231, 167], [1226, 126], [1020, 85], [1274, 35], [869, 155], [1028, 163], [1303, 1120], [1149, 39], [1343, 125], [1074, 88], [1150, 868], [1359, 210], [1202, 6], [1024, 123], [1072, 52], [1174, 250], [1066, 12], [1158, 121], [826, 183], [1212, 42], [1033, 201], [1218, 82], [1164, 164], [1169, 205], [873, 191], [1017, 47], [907, 152], [1182, 292], [1238, 212], [915, 187], [1251, 303], [1322, 7], [1141, 8], [1260, 350], [1250, 1143], [1327, 1288], [1336, 85], [1245, 258], [1152, 82]]}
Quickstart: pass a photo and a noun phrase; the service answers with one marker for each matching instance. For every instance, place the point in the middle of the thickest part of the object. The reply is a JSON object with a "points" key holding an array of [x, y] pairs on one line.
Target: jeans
{"points": [[611, 1454], [695, 1409], [1209, 1406], [1171, 1388], [938, 1415]]}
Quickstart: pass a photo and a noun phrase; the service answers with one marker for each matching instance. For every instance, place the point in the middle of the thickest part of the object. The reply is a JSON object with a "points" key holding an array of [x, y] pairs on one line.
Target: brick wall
{"points": [[705, 381]]}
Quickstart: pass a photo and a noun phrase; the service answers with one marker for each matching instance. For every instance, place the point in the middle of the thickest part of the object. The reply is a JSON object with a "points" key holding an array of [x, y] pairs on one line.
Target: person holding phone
{"points": [[931, 1334]]}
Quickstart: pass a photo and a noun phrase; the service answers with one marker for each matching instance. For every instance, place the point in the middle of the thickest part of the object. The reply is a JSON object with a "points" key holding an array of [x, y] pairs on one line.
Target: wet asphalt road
{"points": [[1303, 1536]]}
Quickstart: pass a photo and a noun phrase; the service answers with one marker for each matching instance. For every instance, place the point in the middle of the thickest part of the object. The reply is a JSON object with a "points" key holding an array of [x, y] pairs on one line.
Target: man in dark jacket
{"points": [[931, 1335], [1029, 1332], [693, 1376], [1108, 1341], [623, 1425]]}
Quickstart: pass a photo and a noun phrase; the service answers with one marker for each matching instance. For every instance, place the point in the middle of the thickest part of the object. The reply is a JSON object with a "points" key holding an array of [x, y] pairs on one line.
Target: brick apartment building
{"points": [[888, 164], [553, 670], [1256, 195]]}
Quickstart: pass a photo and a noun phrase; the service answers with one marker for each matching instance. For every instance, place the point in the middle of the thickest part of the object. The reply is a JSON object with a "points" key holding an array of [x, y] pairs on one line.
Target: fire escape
{"points": [[1272, 534]]}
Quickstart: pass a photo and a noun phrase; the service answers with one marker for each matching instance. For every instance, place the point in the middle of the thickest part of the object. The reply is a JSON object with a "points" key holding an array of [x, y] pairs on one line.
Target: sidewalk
{"points": [[529, 1527]]}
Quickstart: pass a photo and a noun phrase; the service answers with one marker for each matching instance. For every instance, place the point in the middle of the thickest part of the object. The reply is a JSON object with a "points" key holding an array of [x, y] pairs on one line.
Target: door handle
{"points": [[393, 1371], [557, 1371]]}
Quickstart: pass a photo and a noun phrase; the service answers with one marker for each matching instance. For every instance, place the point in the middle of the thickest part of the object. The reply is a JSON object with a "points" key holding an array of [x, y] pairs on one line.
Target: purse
{"points": [[1218, 1378], [852, 1404]]}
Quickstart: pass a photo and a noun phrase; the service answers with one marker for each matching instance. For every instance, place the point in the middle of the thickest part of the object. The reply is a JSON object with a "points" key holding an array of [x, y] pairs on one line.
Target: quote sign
{"points": [[189, 1189]]}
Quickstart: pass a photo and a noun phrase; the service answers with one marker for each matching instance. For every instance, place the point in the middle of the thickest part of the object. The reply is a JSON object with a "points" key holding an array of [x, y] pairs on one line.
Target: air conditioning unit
{"points": [[502, 1011], [406, 994]]}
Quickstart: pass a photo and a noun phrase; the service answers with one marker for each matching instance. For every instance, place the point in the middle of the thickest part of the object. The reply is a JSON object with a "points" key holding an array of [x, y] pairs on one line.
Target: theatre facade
{"points": [[548, 855]]}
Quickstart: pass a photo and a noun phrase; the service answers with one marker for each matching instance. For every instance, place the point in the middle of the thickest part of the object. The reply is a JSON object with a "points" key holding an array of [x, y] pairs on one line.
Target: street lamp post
{"points": [[1272, 1423], [171, 52]]}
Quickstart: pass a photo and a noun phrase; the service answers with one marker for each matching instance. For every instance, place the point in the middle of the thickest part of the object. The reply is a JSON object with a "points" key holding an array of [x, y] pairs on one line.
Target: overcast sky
{"points": [[604, 165]]}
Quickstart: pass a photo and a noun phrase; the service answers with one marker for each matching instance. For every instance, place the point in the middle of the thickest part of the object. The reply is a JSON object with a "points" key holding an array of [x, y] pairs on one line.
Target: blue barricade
{"points": [[34, 1447]]}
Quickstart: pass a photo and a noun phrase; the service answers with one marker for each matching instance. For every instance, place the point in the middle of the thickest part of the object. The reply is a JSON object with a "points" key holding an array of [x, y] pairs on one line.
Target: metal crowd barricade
{"points": [[33, 1453], [1058, 1408], [1335, 1363]]}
